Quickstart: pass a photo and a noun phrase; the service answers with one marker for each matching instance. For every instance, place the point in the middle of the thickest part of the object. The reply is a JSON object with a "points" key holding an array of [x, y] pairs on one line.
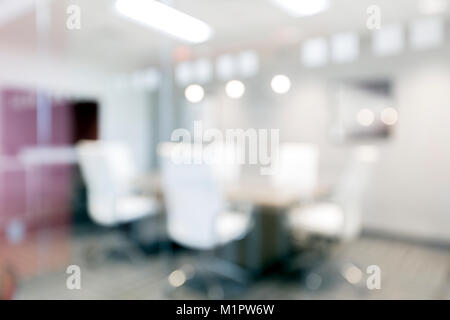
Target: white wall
{"points": [[126, 115], [410, 191], [50, 73]]}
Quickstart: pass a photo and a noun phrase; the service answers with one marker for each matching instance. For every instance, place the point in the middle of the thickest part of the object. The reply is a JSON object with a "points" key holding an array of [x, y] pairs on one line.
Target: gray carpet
{"points": [[408, 271]]}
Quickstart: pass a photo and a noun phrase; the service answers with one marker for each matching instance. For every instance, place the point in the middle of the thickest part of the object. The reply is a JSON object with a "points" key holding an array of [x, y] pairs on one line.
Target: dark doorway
{"points": [[85, 120], [85, 127]]}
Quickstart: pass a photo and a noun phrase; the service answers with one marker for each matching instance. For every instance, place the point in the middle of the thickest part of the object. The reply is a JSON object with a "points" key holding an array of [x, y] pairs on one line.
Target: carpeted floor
{"points": [[408, 271]]}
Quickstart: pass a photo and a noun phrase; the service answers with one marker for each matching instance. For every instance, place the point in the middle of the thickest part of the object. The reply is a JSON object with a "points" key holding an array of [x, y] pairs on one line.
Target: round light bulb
{"points": [[235, 89], [194, 93], [280, 84], [365, 117], [389, 116]]}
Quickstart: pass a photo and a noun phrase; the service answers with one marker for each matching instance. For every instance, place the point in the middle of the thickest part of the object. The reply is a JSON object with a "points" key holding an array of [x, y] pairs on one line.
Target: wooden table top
{"points": [[262, 193], [256, 191]]}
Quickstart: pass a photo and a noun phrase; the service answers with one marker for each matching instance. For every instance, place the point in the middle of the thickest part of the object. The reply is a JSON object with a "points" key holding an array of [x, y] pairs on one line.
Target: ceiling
{"points": [[107, 40]]}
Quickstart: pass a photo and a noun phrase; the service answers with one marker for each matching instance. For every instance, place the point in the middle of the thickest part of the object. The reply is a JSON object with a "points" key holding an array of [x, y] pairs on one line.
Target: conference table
{"points": [[258, 191], [268, 241]]}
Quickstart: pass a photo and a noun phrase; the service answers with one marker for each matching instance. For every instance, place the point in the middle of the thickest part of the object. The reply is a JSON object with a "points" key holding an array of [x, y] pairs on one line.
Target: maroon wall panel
{"points": [[40, 195], [62, 123], [18, 120]]}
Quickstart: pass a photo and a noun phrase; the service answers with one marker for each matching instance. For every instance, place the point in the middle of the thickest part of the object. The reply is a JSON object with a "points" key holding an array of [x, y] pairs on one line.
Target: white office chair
{"points": [[338, 219], [297, 168], [196, 214], [107, 170], [225, 161]]}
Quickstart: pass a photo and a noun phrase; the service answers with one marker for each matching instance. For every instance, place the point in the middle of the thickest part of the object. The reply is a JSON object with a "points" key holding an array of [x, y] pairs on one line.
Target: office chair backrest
{"points": [[297, 168], [225, 161], [351, 189], [191, 193], [120, 161], [103, 177]]}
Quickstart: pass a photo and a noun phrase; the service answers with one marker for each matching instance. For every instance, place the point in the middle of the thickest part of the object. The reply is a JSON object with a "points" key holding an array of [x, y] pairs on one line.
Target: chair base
{"points": [[214, 278], [319, 267]]}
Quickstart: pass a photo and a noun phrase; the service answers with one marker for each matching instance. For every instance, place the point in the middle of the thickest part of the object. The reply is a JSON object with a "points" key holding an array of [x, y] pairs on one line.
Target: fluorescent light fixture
{"points": [[11, 10], [165, 19], [300, 8], [388, 40], [426, 33], [344, 47], [314, 52], [433, 6]]}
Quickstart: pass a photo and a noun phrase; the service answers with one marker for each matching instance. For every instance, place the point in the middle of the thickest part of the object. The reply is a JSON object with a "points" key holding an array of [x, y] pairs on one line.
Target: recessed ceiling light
{"points": [[194, 93], [365, 117], [301, 8], [280, 84], [235, 89], [389, 116], [165, 19]]}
